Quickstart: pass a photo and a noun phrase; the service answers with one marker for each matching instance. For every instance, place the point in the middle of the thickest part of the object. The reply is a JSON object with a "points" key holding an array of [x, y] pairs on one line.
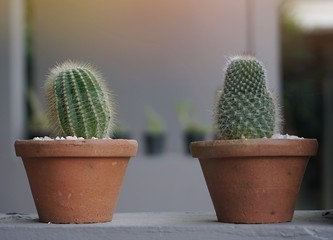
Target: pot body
{"points": [[75, 181], [254, 181]]}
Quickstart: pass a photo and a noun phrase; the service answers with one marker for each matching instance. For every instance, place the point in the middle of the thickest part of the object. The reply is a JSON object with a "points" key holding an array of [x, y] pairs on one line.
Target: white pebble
{"points": [[46, 138], [285, 136]]}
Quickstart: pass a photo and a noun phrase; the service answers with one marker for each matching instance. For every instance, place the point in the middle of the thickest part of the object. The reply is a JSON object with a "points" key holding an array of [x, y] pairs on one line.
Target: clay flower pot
{"points": [[254, 180], [75, 181]]}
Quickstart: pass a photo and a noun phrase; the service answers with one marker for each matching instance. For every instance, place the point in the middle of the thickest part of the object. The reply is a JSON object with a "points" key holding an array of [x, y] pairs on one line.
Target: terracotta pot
{"points": [[75, 181], [254, 180]]}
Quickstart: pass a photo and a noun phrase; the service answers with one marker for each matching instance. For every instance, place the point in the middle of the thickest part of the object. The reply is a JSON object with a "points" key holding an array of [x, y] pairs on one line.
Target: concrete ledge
{"points": [[126, 226]]}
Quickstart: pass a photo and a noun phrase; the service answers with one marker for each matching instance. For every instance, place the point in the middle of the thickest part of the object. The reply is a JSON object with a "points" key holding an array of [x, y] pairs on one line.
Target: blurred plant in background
{"points": [[299, 85], [154, 133], [193, 130], [187, 114], [37, 124], [301, 98], [121, 131]]}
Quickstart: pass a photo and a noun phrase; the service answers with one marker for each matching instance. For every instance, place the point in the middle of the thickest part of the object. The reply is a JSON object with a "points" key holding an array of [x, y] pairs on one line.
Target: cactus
{"points": [[245, 108], [78, 103]]}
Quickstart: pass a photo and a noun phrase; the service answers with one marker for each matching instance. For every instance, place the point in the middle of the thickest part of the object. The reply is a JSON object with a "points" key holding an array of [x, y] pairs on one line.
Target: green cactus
{"points": [[78, 101], [245, 108]]}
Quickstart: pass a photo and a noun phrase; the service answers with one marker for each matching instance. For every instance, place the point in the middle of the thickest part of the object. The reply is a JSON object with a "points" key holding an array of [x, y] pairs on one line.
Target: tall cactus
{"points": [[78, 101], [245, 108]]}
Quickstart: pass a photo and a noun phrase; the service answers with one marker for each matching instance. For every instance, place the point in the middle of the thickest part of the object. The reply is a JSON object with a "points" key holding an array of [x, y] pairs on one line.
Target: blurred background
{"points": [[164, 62]]}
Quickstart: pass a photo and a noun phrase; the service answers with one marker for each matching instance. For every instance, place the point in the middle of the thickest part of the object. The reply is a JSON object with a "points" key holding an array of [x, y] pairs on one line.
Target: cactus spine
{"points": [[78, 102], [245, 108]]}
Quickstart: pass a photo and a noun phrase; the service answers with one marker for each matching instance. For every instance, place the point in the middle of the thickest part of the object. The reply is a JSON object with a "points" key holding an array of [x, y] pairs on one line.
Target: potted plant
{"points": [[252, 177], [76, 179], [154, 135], [121, 132], [192, 130], [37, 121]]}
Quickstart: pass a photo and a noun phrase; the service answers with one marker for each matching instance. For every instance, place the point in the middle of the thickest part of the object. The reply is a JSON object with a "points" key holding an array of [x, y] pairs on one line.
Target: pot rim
{"points": [[76, 148], [260, 147]]}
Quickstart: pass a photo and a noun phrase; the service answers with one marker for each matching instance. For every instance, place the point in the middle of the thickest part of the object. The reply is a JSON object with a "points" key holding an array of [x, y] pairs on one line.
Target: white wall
{"points": [[153, 53]]}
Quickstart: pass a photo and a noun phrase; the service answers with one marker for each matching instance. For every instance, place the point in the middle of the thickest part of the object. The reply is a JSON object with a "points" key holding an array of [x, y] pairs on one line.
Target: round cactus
{"points": [[78, 102], [245, 108]]}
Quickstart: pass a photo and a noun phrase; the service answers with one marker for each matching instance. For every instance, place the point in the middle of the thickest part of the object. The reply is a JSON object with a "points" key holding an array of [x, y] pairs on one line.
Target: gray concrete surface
{"points": [[169, 182], [176, 225]]}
